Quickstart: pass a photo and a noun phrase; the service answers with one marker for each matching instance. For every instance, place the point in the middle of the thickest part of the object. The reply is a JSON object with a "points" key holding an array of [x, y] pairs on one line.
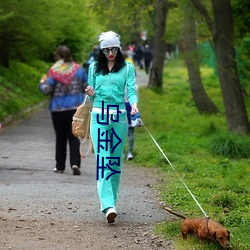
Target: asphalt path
{"points": [[26, 164]]}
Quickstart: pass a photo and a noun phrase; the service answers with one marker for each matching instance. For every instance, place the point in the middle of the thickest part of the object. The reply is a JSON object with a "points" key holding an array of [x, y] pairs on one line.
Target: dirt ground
{"points": [[40, 209]]}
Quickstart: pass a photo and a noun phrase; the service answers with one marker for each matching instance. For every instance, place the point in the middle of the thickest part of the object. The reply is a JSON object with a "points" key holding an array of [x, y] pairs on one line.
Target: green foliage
{"points": [[170, 230], [241, 17], [224, 200], [219, 183], [176, 18], [175, 25], [243, 59], [29, 33], [128, 18], [231, 146], [19, 87]]}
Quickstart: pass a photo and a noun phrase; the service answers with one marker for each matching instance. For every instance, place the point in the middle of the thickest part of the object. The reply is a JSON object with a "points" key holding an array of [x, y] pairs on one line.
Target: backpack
{"points": [[81, 125]]}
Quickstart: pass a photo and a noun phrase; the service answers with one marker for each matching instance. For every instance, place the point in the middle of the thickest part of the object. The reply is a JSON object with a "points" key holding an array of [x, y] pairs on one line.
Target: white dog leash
{"points": [[174, 170]]}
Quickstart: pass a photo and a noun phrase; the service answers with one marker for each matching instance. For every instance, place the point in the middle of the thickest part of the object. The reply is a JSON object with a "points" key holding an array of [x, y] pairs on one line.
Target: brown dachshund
{"points": [[204, 229]]}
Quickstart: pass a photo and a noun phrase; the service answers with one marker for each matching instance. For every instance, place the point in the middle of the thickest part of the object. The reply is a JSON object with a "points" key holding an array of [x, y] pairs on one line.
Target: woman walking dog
{"points": [[108, 78]]}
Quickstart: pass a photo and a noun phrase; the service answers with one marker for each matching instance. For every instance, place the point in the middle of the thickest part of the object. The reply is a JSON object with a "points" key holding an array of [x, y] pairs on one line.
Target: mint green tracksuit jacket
{"points": [[109, 139]]}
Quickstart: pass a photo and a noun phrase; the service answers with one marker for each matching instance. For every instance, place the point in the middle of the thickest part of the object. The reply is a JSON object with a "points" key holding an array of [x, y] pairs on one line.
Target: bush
{"points": [[231, 146], [223, 200], [19, 88]]}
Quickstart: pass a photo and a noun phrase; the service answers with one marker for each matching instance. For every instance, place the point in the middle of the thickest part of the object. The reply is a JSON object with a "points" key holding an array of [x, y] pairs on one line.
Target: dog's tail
{"points": [[175, 213]]}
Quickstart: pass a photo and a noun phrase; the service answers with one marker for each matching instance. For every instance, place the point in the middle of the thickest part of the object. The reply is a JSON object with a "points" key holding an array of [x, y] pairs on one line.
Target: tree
{"points": [[223, 38], [241, 17], [28, 33], [242, 33], [159, 46], [201, 99], [127, 17]]}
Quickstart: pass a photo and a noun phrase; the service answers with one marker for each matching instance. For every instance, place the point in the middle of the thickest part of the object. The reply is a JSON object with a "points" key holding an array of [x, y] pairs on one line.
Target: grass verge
{"points": [[214, 164], [19, 89]]}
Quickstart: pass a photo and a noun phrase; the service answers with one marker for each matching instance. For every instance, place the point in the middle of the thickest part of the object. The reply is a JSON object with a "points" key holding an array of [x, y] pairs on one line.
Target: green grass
{"points": [[19, 88], [214, 164]]}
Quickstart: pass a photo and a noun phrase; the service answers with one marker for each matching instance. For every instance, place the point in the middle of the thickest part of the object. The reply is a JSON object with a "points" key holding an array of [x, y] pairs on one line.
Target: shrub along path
{"points": [[40, 209]]}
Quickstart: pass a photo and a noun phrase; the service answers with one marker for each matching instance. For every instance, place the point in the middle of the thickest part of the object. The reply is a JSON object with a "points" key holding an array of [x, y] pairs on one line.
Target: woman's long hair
{"points": [[102, 66]]}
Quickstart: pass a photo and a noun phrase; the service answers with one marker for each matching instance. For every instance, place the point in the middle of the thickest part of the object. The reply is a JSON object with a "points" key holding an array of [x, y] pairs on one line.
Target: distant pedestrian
{"points": [[147, 54], [93, 55], [65, 84], [138, 56]]}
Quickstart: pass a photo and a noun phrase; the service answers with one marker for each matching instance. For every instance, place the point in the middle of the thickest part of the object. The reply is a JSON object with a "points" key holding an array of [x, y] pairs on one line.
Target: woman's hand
{"points": [[134, 109], [43, 79], [90, 91]]}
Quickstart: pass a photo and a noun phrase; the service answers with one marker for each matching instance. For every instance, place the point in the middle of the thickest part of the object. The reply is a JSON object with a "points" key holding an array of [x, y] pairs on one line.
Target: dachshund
{"points": [[204, 229]]}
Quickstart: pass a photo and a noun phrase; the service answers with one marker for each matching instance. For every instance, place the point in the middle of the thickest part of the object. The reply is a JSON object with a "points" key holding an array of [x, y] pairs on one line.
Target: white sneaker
{"points": [[129, 156], [111, 214], [58, 171]]}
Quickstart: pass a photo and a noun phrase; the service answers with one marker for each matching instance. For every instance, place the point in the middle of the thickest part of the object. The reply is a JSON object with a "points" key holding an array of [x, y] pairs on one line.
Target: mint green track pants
{"points": [[108, 181]]}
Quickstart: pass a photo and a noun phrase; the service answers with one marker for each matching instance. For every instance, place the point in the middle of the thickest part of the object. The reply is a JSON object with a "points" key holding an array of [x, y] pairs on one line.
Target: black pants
{"points": [[62, 122], [130, 129], [131, 139], [147, 65]]}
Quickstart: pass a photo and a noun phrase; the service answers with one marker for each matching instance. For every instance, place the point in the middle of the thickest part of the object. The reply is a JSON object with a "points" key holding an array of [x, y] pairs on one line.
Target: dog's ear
{"points": [[214, 235], [228, 237]]}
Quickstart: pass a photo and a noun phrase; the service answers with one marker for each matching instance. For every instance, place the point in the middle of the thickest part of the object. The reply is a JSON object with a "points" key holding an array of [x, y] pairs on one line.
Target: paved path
{"points": [[141, 78], [26, 163], [31, 191]]}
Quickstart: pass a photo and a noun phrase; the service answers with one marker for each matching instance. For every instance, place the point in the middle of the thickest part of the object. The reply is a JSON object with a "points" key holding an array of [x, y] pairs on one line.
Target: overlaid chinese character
{"points": [[106, 139], [116, 161], [112, 117]]}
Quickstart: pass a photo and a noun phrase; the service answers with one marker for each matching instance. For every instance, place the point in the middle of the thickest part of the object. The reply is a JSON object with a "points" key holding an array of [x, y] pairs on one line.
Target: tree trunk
{"points": [[223, 38], [159, 47], [235, 109], [201, 99]]}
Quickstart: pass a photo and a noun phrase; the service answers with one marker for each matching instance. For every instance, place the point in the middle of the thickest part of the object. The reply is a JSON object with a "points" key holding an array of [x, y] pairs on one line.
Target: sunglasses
{"points": [[106, 51]]}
